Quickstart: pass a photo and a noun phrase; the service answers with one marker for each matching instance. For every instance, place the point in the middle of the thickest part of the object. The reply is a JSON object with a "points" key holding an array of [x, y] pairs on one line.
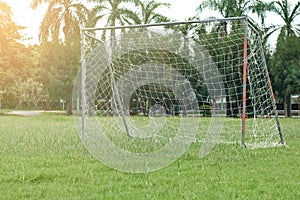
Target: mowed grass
{"points": [[42, 157]]}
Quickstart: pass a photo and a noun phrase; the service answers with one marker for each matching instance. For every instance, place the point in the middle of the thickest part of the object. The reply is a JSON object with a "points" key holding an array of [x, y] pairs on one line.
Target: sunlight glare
{"points": [[24, 16]]}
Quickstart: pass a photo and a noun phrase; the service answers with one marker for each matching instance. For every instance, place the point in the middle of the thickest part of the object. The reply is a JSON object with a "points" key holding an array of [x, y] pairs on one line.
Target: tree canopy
{"points": [[53, 63], [16, 60]]}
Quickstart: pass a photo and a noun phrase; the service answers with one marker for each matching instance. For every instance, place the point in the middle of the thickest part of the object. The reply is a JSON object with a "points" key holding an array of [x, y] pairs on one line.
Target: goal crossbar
{"points": [[165, 23]]}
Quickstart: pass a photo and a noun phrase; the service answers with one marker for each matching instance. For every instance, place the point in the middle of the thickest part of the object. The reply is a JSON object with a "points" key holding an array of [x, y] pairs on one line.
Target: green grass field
{"points": [[42, 157]]}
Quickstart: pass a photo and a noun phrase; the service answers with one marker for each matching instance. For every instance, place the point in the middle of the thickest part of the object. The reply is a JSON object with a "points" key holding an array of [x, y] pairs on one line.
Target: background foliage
{"points": [[51, 65]]}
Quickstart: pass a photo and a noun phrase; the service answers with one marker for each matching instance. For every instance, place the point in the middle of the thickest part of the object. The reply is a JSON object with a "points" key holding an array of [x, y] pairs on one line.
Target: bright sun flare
{"points": [[23, 15]]}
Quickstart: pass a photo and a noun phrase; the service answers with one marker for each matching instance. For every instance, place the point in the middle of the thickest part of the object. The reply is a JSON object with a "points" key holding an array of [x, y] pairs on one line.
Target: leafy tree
{"points": [[29, 92], [58, 67], [60, 50], [15, 57], [285, 69], [285, 64]]}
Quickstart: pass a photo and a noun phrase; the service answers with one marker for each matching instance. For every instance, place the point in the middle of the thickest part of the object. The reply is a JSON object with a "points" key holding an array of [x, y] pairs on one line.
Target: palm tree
{"points": [[62, 15], [113, 10], [147, 13], [94, 15], [60, 49], [234, 8], [116, 13], [288, 15]]}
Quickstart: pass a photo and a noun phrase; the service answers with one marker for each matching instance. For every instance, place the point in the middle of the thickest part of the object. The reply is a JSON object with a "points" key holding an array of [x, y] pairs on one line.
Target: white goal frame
{"points": [[248, 25]]}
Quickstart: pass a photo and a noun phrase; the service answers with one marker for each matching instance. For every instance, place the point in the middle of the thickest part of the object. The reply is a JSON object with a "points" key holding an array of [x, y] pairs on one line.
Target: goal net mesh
{"points": [[146, 88]]}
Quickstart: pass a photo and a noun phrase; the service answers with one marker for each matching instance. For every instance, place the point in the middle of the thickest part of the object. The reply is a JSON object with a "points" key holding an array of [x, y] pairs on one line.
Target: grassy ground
{"points": [[42, 157]]}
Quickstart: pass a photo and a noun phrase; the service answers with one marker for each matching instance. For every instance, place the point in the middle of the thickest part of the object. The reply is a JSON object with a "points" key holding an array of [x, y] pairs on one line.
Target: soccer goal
{"points": [[146, 92]]}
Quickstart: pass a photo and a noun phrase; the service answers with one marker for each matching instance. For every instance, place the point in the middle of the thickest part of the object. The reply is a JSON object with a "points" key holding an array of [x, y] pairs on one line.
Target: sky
{"points": [[180, 10]]}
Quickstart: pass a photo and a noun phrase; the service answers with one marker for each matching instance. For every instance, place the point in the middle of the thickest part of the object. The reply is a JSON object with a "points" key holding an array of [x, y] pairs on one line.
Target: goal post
{"points": [[244, 81], [159, 87]]}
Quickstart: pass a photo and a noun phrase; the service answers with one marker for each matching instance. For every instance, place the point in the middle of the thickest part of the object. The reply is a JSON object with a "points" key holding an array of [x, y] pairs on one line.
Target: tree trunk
{"points": [[287, 105], [69, 107]]}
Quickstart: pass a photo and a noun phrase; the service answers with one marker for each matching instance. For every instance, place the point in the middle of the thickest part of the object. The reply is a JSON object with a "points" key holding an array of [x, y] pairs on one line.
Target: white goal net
{"points": [[146, 92]]}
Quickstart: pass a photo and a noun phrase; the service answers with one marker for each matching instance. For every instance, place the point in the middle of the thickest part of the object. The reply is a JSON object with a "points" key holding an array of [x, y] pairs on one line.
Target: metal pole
{"points": [[165, 23], [253, 28], [118, 99], [244, 82], [273, 102], [276, 114]]}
